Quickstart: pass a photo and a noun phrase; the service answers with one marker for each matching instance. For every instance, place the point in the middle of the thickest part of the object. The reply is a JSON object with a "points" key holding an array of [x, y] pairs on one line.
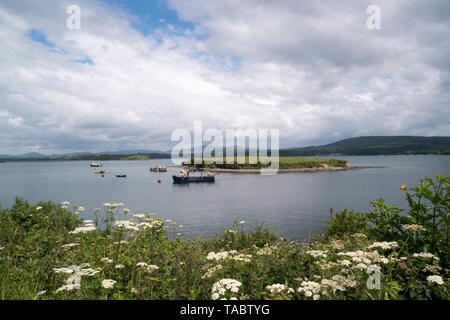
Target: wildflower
{"points": [[337, 244], [73, 282], [63, 270], [242, 257], [119, 266], [81, 209], [345, 262], [241, 222], [65, 203], [181, 226], [384, 245], [431, 268], [133, 290], [121, 242], [106, 260], [139, 215], [83, 229], [279, 288], [63, 207], [360, 266], [126, 210], [435, 279], [425, 255], [108, 283], [147, 266], [222, 286], [413, 227], [141, 264], [127, 224], [38, 208], [317, 253], [215, 296], [178, 234], [69, 245], [309, 288], [211, 271], [266, 250], [217, 256]]}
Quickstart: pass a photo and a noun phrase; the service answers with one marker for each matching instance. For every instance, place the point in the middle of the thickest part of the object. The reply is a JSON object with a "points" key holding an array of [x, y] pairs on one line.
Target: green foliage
{"points": [[429, 206], [386, 220], [346, 222]]}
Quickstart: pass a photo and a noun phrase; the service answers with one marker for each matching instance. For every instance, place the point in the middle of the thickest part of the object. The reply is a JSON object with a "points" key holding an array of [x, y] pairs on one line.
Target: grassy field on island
{"points": [[264, 162], [47, 252], [135, 157]]}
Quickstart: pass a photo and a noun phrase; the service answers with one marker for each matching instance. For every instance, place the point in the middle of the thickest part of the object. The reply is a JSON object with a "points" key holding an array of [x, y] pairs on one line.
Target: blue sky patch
{"points": [[152, 14], [84, 61], [40, 37]]}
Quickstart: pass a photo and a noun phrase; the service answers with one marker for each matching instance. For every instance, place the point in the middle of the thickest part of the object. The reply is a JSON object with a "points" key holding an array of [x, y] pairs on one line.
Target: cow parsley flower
{"points": [[435, 279], [108, 283]]}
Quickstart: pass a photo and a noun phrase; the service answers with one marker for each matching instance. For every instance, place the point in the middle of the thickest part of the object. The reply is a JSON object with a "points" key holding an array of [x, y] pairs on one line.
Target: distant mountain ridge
{"points": [[369, 145], [376, 145]]}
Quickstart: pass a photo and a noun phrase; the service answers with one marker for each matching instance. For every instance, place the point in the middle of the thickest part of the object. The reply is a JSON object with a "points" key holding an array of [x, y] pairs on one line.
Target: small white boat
{"points": [[96, 164], [158, 169]]}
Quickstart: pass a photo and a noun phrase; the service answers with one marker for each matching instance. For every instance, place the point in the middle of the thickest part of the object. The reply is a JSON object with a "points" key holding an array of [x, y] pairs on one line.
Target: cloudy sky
{"points": [[137, 70]]}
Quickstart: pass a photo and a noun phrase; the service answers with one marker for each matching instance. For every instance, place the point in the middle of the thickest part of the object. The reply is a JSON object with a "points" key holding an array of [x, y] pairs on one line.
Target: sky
{"points": [[137, 70]]}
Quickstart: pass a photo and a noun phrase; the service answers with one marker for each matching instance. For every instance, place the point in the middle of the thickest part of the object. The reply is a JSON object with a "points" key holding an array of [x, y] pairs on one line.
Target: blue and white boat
{"points": [[185, 177]]}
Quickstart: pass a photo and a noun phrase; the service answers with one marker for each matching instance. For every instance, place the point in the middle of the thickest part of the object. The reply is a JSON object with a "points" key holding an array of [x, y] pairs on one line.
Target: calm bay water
{"points": [[294, 204]]}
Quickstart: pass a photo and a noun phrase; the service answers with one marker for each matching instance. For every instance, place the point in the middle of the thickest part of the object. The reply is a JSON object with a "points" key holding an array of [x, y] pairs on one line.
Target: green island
{"points": [[254, 164], [47, 252], [135, 157]]}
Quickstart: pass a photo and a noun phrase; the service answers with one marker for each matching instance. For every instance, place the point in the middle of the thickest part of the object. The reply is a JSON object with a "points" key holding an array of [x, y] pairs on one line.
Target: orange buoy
{"points": [[159, 180], [403, 187]]}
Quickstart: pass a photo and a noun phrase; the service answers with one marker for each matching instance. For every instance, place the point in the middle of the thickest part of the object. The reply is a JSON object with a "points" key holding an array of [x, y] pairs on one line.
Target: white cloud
{"points": [[311, 69]]}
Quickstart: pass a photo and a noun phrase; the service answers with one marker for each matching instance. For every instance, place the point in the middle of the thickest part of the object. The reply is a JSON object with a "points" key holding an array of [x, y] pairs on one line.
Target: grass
{"points": [[47, 252], [135, 157], [261, 162]]}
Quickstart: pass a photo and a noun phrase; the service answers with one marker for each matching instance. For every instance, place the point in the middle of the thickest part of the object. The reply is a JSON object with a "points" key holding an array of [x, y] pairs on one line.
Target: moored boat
{"points": [[185, 177], [95, 164], [158, 169], [101, 172]]}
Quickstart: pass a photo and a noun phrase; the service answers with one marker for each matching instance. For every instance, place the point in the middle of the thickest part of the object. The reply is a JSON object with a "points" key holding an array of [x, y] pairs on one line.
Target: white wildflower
{"points": [[108, 283], [106, 260], [384, 245], [435, 279]]}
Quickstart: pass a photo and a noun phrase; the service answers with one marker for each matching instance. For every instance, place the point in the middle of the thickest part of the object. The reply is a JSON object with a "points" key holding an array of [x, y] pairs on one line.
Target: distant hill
{"points": [[87, 156], [376, 145]]}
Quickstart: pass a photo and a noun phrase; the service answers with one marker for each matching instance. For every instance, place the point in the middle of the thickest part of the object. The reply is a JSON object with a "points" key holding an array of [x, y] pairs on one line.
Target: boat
{"points": [[101, 172], [185, 177], [96, 164], [121, 175], [158, 169]]}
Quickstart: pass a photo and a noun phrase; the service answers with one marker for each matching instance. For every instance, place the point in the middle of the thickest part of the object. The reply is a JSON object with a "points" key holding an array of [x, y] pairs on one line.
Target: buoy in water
{"points": [[403, 187], [159, 180]]}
